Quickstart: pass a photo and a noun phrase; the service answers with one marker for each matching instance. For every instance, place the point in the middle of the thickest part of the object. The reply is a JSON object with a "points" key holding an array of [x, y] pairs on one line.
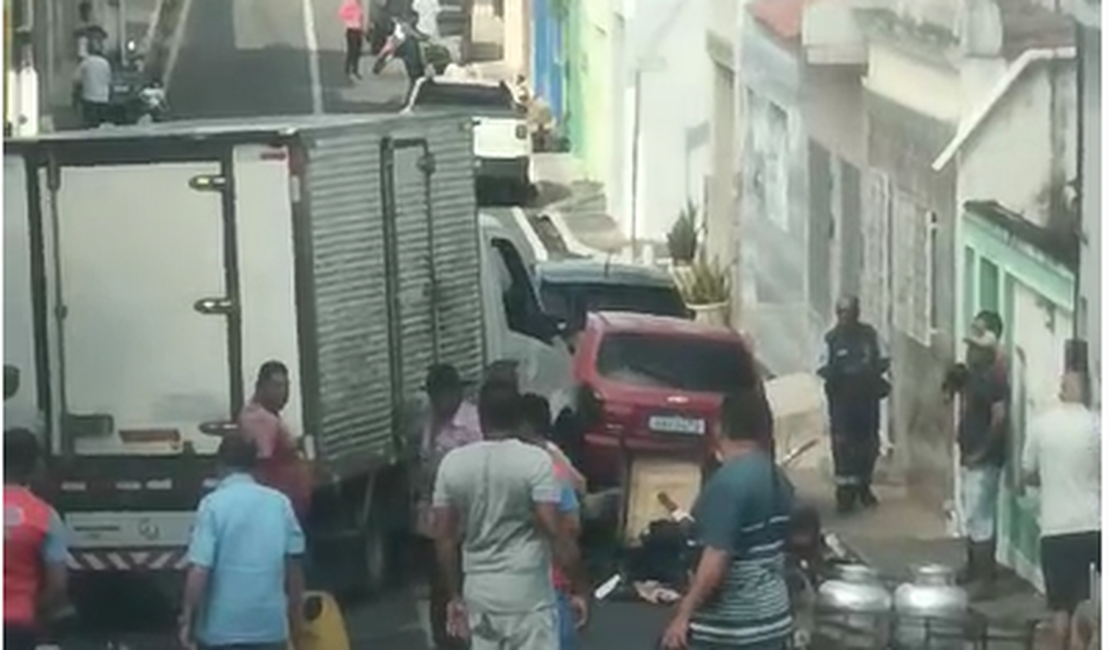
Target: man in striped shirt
{"points": [[738, 596]]}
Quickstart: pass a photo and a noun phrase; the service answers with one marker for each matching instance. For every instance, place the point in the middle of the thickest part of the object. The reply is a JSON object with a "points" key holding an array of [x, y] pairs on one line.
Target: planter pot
{"points": [[715, 313]]}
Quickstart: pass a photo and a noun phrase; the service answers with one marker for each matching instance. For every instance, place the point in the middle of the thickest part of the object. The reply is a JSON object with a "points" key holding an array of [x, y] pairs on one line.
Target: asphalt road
{"points": [[248, 58]]}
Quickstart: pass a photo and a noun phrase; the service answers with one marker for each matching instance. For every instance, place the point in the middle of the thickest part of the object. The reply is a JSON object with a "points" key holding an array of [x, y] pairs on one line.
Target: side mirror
{"points": [[11, 381]]}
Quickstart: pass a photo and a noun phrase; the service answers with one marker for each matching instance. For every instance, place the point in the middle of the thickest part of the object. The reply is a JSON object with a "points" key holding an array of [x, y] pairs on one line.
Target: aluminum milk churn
{"points": [[854, 608], [931, 610]]}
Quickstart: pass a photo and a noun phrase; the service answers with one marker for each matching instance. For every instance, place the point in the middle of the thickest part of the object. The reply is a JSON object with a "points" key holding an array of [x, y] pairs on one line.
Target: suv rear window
{"points": [[564, 300], [433, 93], [680, 363]]}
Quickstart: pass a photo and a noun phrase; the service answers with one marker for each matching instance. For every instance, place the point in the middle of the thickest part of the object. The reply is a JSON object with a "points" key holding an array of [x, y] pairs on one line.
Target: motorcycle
{"points": [[135, 98], [669, 552]]}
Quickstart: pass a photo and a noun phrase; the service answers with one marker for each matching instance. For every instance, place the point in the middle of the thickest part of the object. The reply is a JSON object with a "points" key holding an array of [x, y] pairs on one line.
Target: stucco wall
{"points": [[1013, 157], [901, 144], [774, 206], [664, 40], [922, 86], [1090, 272]]}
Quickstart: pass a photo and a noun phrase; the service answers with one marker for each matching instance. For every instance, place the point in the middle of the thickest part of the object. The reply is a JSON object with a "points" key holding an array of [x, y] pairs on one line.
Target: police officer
{"points": [[853, 364]]}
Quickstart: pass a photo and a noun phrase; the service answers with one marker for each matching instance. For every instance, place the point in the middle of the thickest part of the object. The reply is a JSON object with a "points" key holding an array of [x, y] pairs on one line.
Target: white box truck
{"points": [[150, 270]]}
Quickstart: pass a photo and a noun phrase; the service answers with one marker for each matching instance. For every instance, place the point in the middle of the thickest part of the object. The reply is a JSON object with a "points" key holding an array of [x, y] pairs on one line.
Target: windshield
{"points": [[564, 300], [433, 93], [681, 363]]}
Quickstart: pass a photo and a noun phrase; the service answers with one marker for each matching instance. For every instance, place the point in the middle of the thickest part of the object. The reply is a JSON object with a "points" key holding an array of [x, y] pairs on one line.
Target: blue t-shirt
{"points": [[244, 534], [744, 509]]}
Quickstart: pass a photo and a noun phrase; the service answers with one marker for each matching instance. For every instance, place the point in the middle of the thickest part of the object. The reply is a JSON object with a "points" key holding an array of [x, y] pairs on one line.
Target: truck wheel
{"points": [[373, 556]]}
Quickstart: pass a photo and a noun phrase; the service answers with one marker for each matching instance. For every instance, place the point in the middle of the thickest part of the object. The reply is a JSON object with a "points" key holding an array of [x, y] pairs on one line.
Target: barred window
{"points": [[875, 285]]}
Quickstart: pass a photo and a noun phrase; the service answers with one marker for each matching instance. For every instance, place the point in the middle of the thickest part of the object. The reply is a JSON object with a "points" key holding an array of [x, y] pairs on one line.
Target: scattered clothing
{"points": [[507, 588], [280, 465], [245, 533], [34, 535], [1063, 449], [745, 509]]}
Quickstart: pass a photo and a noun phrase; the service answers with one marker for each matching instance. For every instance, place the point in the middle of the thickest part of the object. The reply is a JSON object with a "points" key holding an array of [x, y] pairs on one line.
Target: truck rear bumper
{"points": [[128, 559]]}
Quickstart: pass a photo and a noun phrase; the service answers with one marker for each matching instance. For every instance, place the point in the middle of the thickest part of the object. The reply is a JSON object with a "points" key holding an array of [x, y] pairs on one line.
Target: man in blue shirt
{"points": [[245, 584]]}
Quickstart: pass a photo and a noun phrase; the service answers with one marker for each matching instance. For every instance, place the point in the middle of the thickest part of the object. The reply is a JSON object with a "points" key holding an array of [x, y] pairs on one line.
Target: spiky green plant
{"points": [[682, 240], [706, 282]]}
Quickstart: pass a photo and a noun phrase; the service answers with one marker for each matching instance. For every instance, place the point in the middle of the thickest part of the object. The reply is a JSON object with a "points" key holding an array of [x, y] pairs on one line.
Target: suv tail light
{"points": [[599, 415], [521, 131]]}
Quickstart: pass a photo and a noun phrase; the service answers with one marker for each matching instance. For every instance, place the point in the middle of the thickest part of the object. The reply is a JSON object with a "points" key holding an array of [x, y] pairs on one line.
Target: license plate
{"points": [[676, 424]]}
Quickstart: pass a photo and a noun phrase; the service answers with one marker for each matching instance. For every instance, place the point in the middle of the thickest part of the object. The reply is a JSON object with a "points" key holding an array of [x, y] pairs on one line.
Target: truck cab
{"points": [[516, 325]]}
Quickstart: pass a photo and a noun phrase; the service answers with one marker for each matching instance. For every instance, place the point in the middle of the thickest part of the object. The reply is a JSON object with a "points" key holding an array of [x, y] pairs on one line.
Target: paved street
{"points": [[245, 58]]}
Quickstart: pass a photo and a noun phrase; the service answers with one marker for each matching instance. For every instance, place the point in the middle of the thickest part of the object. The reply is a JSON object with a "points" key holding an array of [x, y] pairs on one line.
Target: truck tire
{"points": [[373, 554]]}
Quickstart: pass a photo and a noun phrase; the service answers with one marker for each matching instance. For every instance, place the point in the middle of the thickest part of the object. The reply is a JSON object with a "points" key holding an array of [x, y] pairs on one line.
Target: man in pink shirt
{"points": [[452, 422], [354, 24], [280, 465]]}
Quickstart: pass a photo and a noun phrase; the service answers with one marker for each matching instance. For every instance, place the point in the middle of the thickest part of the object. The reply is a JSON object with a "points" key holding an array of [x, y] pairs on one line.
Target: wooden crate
{"points": [[647, 476]]}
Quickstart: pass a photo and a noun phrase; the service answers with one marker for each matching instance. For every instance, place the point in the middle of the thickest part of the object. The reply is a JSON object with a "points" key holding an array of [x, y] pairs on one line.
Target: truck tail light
{"points": [[521, 131]]}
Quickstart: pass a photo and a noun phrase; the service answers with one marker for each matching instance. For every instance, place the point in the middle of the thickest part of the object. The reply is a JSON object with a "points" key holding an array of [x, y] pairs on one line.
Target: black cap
{"points": [[441, 377]]}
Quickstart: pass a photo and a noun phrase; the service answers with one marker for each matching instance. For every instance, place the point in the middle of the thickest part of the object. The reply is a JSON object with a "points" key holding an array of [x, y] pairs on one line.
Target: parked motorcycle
{"points": [[135, 97]]}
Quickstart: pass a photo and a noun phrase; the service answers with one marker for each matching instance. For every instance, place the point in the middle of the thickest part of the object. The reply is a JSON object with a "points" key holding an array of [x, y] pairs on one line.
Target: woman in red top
{"points": [[280, 464]]}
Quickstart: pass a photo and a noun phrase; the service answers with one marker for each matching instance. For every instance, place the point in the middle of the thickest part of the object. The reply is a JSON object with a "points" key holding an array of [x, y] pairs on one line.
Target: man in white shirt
{"points": [[93, 82], [1062, 456]]}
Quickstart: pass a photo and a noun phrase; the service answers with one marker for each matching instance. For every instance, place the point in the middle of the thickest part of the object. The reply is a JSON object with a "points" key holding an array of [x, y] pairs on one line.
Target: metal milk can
{"points": [[854, 608], [931, 610]]}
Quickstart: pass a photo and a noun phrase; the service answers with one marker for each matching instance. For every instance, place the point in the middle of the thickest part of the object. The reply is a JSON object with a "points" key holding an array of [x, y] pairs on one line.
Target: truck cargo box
{"points": [[167, 262]]}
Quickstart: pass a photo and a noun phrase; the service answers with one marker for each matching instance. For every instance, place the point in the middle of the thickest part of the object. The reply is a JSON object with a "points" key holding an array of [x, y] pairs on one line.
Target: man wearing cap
{"points": [[451, 423], [982, 433], [853, 364]]}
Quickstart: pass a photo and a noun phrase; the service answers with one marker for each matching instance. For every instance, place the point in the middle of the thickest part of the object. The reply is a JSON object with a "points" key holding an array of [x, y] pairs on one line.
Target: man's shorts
{"points": [[1066, 563], [979, 501], [538, 630], [568, 629]]}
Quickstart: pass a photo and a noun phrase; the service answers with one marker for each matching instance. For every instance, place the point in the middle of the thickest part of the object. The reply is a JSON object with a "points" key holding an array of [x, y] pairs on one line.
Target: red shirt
{"points": [[33, 536], [280, 466], [564, 475]]}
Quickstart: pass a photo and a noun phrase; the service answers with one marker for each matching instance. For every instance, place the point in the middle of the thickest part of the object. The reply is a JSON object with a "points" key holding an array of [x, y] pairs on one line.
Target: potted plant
{"points": [[706, 288], [682, 240]]}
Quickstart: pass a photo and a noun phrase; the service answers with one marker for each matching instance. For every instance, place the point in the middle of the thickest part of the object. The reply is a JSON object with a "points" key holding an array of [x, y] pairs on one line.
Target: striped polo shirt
{"points": [[745, 509]]}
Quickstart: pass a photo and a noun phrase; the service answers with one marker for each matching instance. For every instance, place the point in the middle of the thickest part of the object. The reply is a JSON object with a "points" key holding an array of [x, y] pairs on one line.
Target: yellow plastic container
{"points": [[324, 627]]}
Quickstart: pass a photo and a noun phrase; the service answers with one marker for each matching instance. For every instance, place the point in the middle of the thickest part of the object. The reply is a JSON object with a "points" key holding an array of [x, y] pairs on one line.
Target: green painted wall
{"points": [[574, 83], [597, 132], [588, 84], [994, 265]]}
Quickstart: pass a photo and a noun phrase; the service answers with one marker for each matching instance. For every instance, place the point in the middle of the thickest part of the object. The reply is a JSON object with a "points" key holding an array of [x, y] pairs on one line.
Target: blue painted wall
{"points": [[547, 55]]}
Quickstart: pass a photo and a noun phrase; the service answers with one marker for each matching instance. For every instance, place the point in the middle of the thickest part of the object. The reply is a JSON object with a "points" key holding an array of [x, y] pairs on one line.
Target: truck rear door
{"points": [[138, 291]]}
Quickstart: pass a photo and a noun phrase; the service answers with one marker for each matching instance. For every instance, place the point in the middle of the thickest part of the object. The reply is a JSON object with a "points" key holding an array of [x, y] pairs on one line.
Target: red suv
{"points": [[652, 384]]}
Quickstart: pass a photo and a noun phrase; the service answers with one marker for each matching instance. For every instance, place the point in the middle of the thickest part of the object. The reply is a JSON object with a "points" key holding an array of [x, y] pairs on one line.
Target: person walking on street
{"points": [[452, 423], [280, 464], [572, 608], [244, 585], [354, 27], [35, 550], [852, 366], [92, 81], [982, 440], [1062, 455], [500, 498], [738, 596]]}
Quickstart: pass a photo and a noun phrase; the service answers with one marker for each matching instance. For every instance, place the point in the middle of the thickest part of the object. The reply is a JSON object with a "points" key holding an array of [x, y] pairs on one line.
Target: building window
{"points": [[875, 285]]}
